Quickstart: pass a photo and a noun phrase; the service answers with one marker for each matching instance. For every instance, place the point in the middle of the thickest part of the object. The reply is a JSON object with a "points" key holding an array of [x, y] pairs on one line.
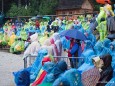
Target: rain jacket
{"points": [[37, 65], [57, 43], [34, 47], [107, 70], [23, 34], [57, 70], [113, 53], [102, 28], [71, 77], [88, 55], [43, 72], [102, 14], [12, 39]]}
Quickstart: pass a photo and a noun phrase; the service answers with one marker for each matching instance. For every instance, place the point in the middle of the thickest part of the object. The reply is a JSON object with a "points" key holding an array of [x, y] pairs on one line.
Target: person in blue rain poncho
{"points": [[90, 36], [65, 43], [100, 49], [88, 55], [106, 44], [71, 77], [37, 65], [76, 52], [88, 47], [18, 31], [112, 47], [57, 70]]}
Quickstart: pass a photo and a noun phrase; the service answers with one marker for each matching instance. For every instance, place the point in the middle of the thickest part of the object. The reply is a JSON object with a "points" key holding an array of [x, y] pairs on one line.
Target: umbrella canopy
{"points": [[34, 18], [73, 33], [90, 77], [46, 17]]}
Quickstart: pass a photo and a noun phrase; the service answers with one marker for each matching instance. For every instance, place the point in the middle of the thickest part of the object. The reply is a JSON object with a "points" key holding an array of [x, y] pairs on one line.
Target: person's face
{"points": [[99, 64]]}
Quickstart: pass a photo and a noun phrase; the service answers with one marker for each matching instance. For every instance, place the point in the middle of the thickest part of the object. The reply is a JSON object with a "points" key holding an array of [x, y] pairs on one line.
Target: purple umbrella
{"points": [[73, 33]]}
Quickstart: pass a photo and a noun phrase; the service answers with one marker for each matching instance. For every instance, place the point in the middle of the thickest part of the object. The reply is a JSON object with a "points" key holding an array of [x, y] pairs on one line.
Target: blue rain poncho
{"points": [[91, 37], [57, 70], [65, 43], [106, 43], [1, 30], [88, 55], [71, 77], [98, 48], [22, 77], [112, 44], [18, 31], [88, 45], [37, 65]]}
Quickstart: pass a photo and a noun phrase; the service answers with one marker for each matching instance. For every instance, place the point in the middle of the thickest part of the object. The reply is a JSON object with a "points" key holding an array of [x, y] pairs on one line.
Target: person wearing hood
{"points": [[12, 39], [34, 47], [90, 36], [58, 45], [75, 51], [58, 69], [98, 48], [106, 71], [43, 71], [88, 45], [88, 55], [102, 28], [71, 77], [112, 47]]}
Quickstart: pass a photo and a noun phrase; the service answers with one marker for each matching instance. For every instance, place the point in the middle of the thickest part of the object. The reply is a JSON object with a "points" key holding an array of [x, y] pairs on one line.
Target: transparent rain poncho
{"points": [[71, 77]]}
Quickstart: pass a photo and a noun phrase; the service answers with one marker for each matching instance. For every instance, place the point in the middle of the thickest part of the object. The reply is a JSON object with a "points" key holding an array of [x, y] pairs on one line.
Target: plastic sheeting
{"points": [[71, 77], [37, 65]]}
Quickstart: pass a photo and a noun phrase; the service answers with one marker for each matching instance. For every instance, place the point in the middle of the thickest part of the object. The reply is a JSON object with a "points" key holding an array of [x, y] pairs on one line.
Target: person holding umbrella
{"points": [[75, 51]]}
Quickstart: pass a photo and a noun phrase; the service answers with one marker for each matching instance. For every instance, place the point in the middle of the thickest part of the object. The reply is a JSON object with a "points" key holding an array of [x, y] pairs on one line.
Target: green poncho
{"points": [[102, 28], [23, 35], [102, 14]]}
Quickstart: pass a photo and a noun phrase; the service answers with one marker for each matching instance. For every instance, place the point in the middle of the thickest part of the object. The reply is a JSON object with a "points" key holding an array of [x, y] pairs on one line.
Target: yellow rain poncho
{"points": [[12, 39]]}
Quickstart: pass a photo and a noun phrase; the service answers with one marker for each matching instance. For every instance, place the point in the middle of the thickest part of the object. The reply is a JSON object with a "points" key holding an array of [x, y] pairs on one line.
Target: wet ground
{"points": [[9, 63]]}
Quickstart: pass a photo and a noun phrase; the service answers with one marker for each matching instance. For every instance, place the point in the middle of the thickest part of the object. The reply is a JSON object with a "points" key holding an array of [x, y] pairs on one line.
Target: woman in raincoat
{"points": [[106, 69], [58, 45], [34, 47]]}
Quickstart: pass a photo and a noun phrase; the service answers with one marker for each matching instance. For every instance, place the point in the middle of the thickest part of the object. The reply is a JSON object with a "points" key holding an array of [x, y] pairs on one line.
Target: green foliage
{"points": [[19, 11], [36, 7], [48, 7]]}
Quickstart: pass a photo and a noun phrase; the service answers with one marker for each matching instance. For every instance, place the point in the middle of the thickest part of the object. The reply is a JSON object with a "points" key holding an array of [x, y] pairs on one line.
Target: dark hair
{"points": [[78, 41], [107, 59]]}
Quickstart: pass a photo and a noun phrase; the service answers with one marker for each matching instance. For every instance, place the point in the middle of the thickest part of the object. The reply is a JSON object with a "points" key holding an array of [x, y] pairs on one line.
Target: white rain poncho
{"points": [[34, 47]]}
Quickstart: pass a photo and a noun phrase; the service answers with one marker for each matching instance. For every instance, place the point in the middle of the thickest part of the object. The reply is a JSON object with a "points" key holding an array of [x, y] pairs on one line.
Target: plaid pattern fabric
{"points": [[91, 77]]}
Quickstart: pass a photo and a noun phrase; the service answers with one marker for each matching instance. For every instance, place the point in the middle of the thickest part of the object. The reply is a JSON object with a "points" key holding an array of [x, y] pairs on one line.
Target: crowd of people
{"points": [[45, 40]]}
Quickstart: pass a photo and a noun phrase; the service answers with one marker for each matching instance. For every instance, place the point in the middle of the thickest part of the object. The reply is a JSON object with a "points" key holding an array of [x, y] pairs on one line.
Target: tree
{"points": [[19, 11], [48, 7]]}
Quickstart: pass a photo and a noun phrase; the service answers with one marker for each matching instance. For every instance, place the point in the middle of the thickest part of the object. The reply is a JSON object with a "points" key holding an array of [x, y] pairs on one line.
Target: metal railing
{"points": [[28, 59]]}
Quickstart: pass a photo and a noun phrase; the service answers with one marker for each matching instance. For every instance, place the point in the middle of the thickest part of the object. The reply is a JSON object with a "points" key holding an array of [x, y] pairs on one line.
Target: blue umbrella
{"points": [[73, 33]]}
